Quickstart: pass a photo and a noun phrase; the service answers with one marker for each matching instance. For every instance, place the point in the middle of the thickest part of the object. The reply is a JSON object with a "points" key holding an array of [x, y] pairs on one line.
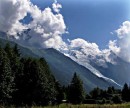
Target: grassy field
{"points": [[127, 105]]}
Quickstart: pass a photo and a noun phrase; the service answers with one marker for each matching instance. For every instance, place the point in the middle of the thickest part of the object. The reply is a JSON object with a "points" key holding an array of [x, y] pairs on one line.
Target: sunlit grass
{"points": [[126, 105]]}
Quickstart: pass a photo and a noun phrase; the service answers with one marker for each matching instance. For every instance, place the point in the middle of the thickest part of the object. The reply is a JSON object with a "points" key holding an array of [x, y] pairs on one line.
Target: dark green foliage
{"points": [[126, 93], [62, 67], [14, 57], [6, 78], [36, 85], [117, 99], [110, 90], [61, 95], [95, 93], [25, 80], [109, 96], [103, 101], [16, 50], [76, 91]]}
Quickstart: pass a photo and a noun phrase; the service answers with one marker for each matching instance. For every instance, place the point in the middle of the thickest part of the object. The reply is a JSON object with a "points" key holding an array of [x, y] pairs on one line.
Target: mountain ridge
{"points": [[63, 67]]}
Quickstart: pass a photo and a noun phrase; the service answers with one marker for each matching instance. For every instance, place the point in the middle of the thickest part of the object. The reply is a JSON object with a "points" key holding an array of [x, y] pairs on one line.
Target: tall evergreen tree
{"points": [[125, 93], [16, 50], [13, 55], [6, 78], [110, 90], [48, 85], [35, 85], [8, 50], [95, 93], [76, 91], [60, 92]]}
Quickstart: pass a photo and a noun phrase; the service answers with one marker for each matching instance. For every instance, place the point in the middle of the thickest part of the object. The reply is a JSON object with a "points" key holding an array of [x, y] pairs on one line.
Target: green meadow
{"points": [[125, 105]]}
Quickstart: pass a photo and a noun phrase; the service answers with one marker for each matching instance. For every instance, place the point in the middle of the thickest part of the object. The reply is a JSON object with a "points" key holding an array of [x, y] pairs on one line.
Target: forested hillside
{"points": [[62, 67], [28, 81], [25, 80]]}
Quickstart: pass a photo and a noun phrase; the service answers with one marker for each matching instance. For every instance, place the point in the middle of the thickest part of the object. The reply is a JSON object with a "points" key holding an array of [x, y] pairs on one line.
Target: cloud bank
{"points": [[47, 27], [123, 41], [56, 6], [11, 11], [83, 51]]}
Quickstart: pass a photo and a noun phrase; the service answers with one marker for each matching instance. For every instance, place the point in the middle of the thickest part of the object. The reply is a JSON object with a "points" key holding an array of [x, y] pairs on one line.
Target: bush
{"points": [[117, 99], [90, 101], [103, 101], [109, 102]]}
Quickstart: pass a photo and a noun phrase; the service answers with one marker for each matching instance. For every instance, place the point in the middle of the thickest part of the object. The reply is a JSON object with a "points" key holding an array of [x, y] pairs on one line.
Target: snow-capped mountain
{"points": [[84, 62], [64, 67]]}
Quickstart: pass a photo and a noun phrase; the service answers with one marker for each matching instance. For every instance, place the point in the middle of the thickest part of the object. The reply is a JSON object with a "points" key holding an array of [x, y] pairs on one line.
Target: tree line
{"points": [[28, 81], [25, 80], [76, 94]]}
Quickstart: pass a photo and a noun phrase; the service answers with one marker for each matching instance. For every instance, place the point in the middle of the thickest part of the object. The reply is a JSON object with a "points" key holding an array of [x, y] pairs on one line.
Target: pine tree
{"points": [[48, 82], [60, 92], [95, 93], [8, 50], [16, 50], [125, 93], [110, 90], [117, 99], [14, 57], [25, 82], [35, 85], [6, 78], [76, 91]]}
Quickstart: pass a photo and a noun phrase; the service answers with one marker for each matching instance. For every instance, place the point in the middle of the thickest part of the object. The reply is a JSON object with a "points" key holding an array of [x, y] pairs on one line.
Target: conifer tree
{"points": [[14, 57], [76, 91], [35, 85], [60, 92], [6, 78], [16, 50], [125, 92], [95, 93]]}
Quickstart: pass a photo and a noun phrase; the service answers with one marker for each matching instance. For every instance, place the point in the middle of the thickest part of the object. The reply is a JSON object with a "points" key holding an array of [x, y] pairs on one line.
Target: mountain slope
{"points": [[24, 51], [120, 71], [63, 67]]}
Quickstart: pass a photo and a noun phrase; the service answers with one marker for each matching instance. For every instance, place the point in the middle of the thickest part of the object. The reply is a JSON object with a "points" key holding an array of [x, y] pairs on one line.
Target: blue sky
{"points": [[92, 20], [91, 25]]}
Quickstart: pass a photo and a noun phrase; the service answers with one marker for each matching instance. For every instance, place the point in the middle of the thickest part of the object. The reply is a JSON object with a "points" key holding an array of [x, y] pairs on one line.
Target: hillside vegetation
{"points": [[29, 81], [62, 67]]}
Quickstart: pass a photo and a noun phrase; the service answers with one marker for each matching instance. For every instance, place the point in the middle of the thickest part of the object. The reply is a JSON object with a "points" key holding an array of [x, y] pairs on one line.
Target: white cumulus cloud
{"points": [[48, 28], [113, 46], [123, 41], [45, 29], [11, 11], [124, 30], [56, 6], [84, 52]]}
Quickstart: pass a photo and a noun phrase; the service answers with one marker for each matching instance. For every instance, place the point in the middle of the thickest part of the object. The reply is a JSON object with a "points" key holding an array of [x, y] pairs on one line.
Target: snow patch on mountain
{"points": [[92, 69]]}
